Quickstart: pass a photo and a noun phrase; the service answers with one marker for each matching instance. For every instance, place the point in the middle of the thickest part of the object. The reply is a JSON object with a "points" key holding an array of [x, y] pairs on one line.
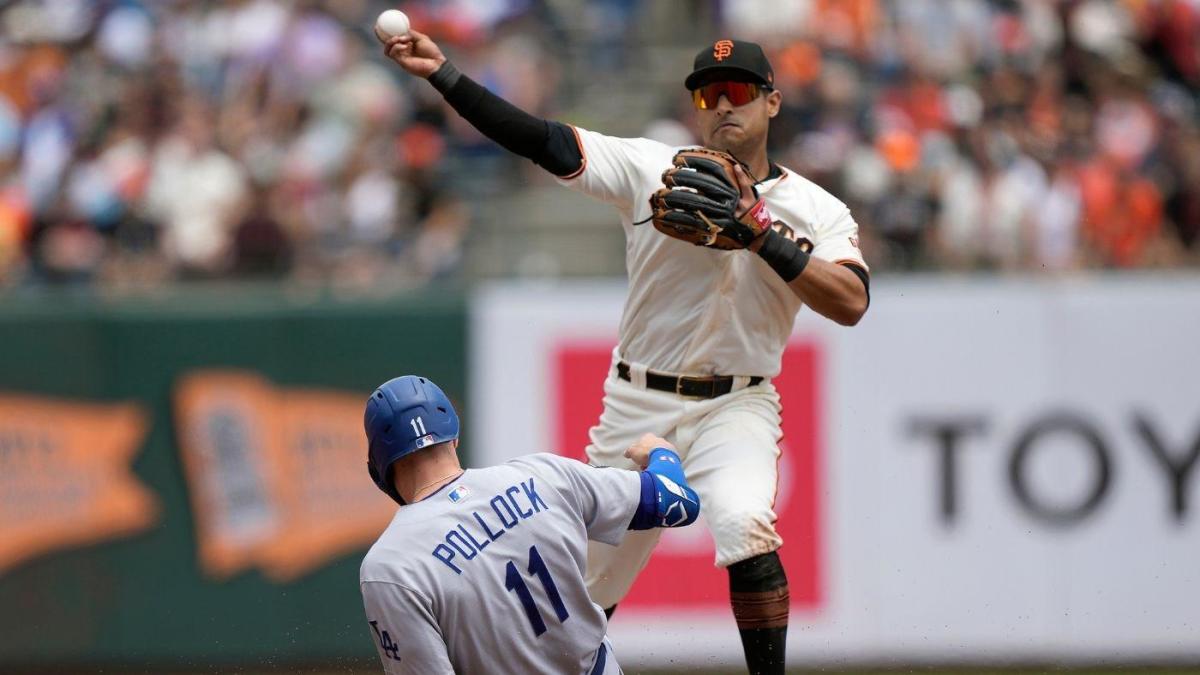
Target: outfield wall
{"points": [[979, 470], [182, 476]]}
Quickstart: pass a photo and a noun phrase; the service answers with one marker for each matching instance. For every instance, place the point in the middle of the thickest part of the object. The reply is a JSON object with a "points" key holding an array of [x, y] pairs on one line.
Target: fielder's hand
{"points": [[415, 52], [708, 199], [640, 451], [746, 197]]}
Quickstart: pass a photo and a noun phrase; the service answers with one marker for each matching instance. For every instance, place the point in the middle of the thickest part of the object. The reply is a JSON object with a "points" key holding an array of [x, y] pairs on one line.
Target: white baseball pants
{"points": [[729, 446]]}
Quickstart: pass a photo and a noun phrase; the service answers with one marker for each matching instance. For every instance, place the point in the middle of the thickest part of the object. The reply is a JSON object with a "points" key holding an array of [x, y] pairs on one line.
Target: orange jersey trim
{"points": [[851, 261], [782, 178]]}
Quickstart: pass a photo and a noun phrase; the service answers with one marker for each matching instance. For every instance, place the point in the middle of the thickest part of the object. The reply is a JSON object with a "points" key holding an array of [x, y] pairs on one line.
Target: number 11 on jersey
{"points": [[513, 581]]}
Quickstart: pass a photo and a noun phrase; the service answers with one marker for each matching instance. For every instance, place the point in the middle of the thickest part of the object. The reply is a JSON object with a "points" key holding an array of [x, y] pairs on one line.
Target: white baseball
{"points": [[392, 23]]}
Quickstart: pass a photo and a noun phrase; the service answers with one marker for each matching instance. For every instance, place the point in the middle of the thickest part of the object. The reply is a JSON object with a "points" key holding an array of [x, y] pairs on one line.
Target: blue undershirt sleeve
{"points": [[643, 517]]}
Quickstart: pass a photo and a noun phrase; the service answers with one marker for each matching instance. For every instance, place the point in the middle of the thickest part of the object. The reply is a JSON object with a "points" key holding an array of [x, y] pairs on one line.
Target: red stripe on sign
{"points": [[681, 574], [580, 369], [800, 387]]}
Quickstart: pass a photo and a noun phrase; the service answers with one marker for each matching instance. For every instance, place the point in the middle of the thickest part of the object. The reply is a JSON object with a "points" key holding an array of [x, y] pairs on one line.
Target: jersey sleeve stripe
{"points": [[853, 263], [582, 153]]}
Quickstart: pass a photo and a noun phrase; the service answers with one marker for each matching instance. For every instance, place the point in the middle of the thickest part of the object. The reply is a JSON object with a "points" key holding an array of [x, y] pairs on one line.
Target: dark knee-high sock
{"points": [[758, 592]]}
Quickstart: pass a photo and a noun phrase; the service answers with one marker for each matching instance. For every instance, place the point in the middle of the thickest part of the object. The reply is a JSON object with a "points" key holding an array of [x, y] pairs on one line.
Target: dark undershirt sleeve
{"points": [[863, 276], [551, 145]]}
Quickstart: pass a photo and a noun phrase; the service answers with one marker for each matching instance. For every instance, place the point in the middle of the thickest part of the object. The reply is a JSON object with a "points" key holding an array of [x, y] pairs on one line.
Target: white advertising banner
{"points": [[979, 471]]}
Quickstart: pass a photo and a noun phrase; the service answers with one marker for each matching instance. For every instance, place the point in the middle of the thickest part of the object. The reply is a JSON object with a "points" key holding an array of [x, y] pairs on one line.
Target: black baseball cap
{"points": [[736, 60]]}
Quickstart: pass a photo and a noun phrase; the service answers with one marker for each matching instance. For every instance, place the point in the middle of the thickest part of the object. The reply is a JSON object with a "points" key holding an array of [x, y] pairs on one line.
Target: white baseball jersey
{"points": [[486, 575], [696, 310]]}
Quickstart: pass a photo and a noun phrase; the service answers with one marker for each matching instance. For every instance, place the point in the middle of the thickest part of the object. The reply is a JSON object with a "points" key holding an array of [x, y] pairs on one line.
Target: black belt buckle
{"points": [[702, 387]]}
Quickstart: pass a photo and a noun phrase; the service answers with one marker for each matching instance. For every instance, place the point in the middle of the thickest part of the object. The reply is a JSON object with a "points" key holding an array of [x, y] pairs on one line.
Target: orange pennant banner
{"points": [[278, 476], [65, 477]]}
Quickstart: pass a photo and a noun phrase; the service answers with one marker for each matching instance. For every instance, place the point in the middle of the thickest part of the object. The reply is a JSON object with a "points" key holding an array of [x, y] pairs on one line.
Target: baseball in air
{"points": [[392, 23]]}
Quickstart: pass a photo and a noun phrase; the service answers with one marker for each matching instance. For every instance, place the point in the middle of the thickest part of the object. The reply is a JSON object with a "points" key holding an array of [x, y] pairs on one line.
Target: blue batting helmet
{"points": [[403, 415]]}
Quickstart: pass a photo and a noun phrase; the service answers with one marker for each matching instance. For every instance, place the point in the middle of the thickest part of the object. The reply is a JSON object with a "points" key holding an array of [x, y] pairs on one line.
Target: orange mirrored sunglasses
{"points": [[738, 93]]}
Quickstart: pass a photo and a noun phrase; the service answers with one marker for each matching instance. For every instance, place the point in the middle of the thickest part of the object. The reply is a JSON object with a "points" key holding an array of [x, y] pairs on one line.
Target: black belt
{"points": [[699, 387]]}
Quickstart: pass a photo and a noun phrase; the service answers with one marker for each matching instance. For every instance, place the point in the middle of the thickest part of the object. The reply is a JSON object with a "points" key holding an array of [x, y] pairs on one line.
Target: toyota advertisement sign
{"points": [[980, 470]]}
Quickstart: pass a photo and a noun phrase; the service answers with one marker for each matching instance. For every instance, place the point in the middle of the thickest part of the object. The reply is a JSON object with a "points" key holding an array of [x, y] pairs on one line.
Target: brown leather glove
{"points": [[699, 202]]}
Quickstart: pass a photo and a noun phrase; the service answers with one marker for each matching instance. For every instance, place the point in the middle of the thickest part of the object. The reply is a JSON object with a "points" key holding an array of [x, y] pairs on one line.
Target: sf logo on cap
{"points": [[722, 49]]}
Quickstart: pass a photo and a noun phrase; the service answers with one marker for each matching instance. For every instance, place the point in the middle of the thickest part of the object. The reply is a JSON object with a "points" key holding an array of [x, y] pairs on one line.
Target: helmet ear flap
{"points": [[385, 483]]}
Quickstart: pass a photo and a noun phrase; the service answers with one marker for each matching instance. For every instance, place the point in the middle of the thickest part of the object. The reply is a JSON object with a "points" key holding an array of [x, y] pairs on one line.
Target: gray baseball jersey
{"points": [[486, 575]]}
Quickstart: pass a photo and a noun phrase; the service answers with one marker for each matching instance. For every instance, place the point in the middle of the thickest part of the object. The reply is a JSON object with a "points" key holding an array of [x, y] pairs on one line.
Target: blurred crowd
{"points": [[1002, 134], [147, 141]]}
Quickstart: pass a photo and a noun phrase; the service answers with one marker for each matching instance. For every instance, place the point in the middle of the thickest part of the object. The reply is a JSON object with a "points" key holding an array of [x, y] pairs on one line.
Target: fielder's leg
{"points": [[628, 413], [758, 591], [733, 465], [611, 570]]}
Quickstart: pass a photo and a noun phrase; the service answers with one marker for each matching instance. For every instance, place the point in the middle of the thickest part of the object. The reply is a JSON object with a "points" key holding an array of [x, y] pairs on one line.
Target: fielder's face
{"points": [[738, 128]]}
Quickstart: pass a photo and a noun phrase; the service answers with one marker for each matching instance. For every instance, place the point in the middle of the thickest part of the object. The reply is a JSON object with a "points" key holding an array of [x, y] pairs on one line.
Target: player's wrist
{"points": [[757, 243], [676, 502], [663, 454], [758, 217], [666, 462], [782, 254], [444, 76]]}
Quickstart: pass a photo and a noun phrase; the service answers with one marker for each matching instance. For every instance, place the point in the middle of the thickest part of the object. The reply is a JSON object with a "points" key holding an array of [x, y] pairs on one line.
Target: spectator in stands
{"points": [[147, 141]]}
